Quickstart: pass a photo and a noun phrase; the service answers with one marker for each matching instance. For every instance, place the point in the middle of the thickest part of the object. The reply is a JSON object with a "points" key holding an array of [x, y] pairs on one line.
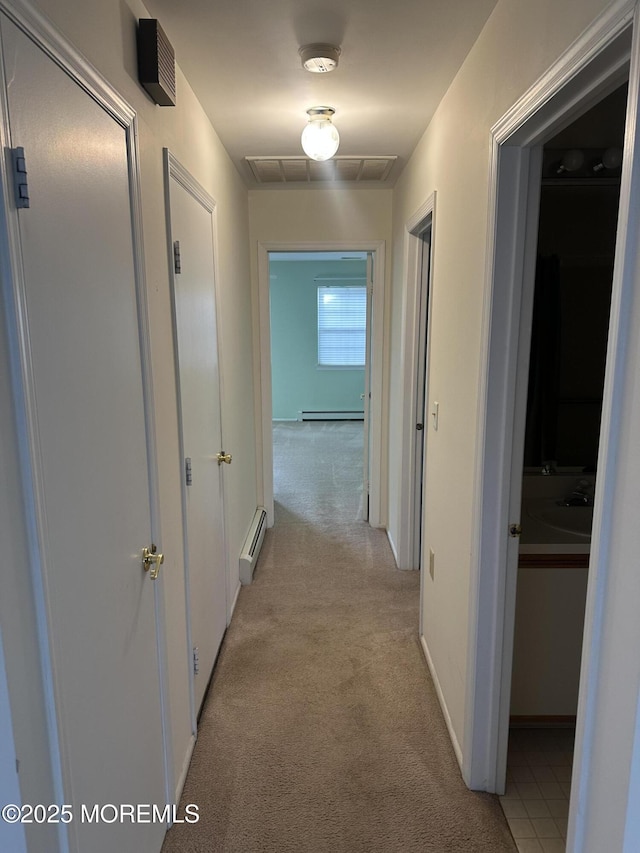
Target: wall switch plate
{"points": [[435, 411], [432, 563]]}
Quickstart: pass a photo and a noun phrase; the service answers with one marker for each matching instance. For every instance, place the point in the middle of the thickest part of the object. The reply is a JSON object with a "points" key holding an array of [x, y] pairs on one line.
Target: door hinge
{"points": [[188, 472], [196, 660], [177, 263], [20, 177]]}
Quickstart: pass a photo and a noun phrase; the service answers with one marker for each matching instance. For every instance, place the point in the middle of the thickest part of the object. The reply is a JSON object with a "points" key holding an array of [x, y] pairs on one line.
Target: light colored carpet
{"points": [[322, 732]]}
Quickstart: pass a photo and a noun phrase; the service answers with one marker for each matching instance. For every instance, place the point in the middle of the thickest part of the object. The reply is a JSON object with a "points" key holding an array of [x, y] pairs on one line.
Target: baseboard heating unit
{"points": [[330, 416], [252, 545]]}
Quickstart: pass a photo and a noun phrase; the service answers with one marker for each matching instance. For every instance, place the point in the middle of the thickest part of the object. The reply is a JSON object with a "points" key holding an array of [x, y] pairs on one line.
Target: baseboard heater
{"points": [[252, 545], [331, 416]]}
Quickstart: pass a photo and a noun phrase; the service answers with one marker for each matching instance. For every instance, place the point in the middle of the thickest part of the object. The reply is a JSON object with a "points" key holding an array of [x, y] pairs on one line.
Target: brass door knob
{"points": [[223, 457], [151, 561]]}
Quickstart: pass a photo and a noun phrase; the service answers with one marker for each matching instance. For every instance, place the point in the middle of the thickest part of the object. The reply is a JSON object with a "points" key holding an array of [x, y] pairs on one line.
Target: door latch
{"points": [[151, 561]]}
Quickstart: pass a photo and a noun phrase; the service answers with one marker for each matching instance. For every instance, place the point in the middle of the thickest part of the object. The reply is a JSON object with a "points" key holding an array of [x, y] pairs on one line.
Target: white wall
{"points": [[105, 32], [328, 216], [519, 42]]}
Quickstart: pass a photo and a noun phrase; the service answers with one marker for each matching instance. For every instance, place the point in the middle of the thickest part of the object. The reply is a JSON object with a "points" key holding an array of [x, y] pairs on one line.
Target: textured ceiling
{"points": [[398, 59]]}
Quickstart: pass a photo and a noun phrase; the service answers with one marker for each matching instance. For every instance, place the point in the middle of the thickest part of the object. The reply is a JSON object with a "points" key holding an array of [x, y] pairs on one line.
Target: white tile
{"points": [[516, 759], [558, 808], [545, 827], [530, 790], [510, 792], [521, 828], [516, 808], [544, 773], [528, 845], [525, 774], [550, 790], [553, 845], [537, 808], [562, 774]]}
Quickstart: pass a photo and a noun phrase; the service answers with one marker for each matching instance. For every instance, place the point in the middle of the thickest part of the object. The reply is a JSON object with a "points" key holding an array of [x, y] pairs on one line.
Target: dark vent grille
{"points": [[156, 62]]}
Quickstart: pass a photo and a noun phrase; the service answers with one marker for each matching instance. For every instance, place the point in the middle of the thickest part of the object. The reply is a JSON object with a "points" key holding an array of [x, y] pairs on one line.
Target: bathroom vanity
{"points": [[550, 599]]}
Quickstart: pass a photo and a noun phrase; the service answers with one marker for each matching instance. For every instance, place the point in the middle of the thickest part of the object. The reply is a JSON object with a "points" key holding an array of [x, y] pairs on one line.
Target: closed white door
{"points": [[88, 443], [191, 216]]}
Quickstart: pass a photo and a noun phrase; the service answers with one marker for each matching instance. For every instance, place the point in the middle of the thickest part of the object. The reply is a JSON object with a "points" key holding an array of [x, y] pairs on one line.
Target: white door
{"points": [[88, 444], [191, 215]]}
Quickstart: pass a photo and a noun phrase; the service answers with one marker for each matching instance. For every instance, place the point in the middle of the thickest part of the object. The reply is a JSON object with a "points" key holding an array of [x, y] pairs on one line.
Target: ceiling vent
{"points": [[296, 170], [156, 62]]}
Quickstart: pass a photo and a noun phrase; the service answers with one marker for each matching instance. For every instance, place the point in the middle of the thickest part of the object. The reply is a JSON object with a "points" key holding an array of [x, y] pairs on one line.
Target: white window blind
{"points": [[342, 322]]}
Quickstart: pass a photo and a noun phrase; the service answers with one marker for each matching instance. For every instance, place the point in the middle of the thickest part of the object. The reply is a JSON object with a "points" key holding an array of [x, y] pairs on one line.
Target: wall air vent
{"points": [[156, 62], [295, 170]]}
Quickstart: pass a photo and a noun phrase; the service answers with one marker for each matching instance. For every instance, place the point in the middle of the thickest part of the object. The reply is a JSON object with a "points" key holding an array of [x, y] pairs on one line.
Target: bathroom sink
{"points": [[569, 519]]}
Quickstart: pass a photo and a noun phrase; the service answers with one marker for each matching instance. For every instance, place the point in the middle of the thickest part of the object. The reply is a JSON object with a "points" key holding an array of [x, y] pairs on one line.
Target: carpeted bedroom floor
{"points": [[322, 732]]}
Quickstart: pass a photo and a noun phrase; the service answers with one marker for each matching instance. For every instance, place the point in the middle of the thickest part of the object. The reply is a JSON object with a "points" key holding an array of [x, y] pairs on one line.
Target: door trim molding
{"points": [[45, 34], [377, 492], [416, 225], [54, 45], [591, 68]]}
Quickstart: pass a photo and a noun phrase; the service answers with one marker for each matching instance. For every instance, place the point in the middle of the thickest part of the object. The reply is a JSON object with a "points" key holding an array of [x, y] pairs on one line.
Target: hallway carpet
{"points": [[322, 732]]}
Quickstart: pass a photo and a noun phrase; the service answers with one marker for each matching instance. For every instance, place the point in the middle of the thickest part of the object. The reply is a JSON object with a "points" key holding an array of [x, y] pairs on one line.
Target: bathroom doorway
{"points": [[576, 239]]}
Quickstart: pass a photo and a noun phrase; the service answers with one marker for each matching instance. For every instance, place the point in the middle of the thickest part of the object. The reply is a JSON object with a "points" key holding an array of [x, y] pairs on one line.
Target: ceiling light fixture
{"points": [[320, 138], [319, 58]]}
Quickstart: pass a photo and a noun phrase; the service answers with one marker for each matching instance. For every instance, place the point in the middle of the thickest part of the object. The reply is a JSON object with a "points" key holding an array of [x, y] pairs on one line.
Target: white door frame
{"points": [[594, 65], [46, 36], [366, 405], [415, 227], [377, 466]]}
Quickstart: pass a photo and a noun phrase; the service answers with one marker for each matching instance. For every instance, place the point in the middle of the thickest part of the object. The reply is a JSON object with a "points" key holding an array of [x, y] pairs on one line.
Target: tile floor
{"points": [[536, 800]]}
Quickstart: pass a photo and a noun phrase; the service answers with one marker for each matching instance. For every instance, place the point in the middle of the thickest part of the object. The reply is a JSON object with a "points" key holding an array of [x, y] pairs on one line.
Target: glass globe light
{"points": [[320, 138]]}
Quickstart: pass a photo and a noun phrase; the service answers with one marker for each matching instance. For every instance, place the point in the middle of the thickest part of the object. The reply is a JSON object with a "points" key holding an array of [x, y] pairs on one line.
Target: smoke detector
{"points": [[319, 58]]}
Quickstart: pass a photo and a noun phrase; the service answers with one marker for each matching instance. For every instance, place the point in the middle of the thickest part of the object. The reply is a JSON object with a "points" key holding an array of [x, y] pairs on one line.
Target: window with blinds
{"points": [[342, 324]]}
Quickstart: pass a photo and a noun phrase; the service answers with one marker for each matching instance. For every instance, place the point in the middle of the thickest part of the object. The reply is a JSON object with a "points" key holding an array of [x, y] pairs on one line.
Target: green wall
{"points": [[297, 382]]}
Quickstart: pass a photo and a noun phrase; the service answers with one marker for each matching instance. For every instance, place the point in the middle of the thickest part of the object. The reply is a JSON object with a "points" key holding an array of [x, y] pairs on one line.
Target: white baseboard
{"points": [[185, 768], [233, 603], [396, 557], [447, 718], [394, 550]]}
